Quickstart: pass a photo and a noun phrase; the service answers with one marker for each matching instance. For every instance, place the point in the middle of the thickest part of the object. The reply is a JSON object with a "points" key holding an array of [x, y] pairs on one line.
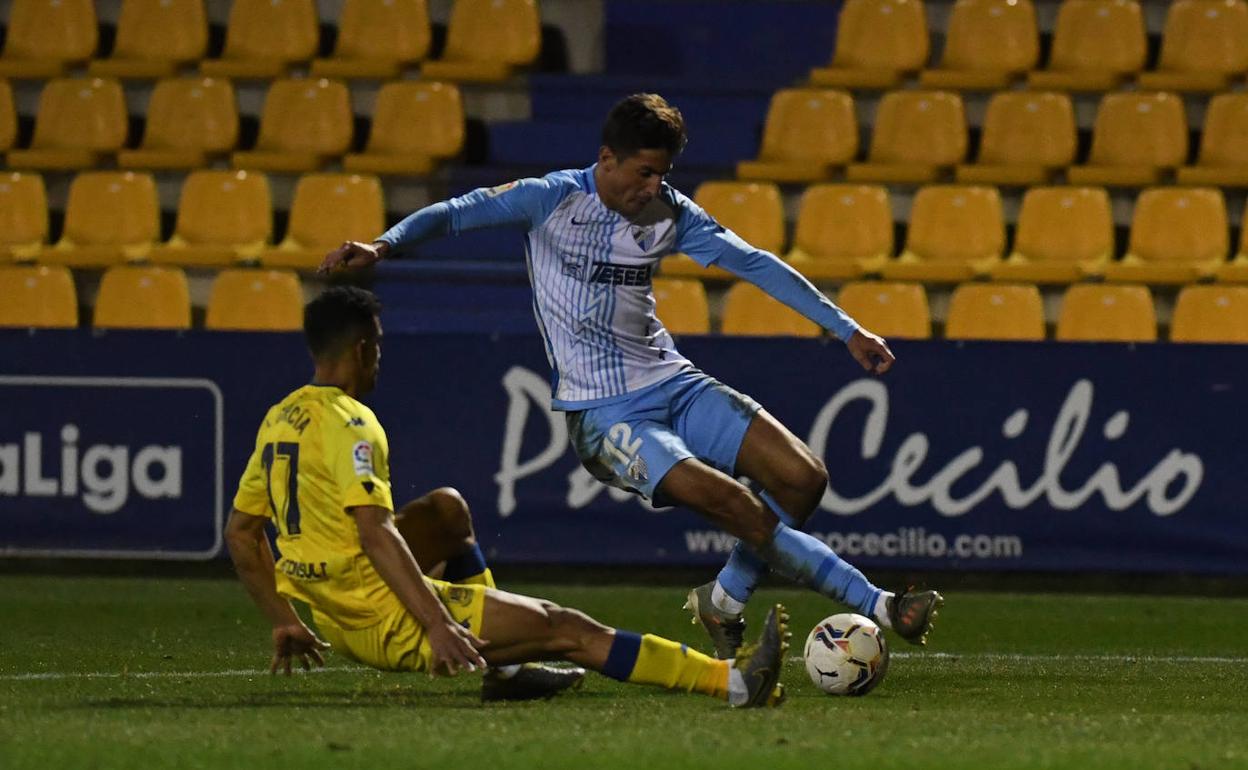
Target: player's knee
{"points": [[811, 481], [454, 516]]}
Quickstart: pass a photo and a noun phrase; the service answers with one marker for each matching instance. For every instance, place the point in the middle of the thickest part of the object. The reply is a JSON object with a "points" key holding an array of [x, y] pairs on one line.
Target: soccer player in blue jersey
{"points": [[640, 415]]}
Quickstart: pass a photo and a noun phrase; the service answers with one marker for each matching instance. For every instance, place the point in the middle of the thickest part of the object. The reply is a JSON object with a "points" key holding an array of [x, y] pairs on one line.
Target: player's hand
{"points": [[353, 255], [454, 647], [871, 352], [296, 641]]}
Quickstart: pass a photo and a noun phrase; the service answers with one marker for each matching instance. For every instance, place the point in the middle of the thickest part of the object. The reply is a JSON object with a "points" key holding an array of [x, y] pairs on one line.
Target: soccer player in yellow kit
{"points": [[320, 473]]}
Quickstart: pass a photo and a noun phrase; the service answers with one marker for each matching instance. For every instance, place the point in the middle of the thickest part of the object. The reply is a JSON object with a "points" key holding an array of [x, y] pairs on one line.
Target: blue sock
{"points": [[622, 656], [809, 560], [745, 568]]}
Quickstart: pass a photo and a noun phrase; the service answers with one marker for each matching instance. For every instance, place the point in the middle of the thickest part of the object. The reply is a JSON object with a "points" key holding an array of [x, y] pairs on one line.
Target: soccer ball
{"points": [[846, 655]]}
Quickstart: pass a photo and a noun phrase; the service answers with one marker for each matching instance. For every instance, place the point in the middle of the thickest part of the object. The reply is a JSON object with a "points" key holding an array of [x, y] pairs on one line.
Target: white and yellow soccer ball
{"points": [[846, 655]]}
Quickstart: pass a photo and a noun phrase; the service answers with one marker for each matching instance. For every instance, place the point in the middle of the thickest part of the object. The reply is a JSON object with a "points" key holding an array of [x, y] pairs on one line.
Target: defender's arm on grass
{"points": [[253, 560], [454, 647]]}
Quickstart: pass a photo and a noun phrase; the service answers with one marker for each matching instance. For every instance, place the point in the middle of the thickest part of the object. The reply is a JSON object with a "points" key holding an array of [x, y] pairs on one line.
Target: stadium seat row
{"points": [[1029, 138], [486, 39], [957, 232], [305, 123], [1097, 45]]}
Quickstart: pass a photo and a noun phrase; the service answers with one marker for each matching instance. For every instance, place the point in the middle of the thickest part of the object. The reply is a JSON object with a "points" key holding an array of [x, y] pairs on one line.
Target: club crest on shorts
{"points": [[362, 458], [644, 236], [637, 470]]}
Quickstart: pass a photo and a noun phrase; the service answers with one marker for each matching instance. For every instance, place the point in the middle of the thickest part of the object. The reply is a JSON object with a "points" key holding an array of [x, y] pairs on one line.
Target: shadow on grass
{"points": [[314, 699]]}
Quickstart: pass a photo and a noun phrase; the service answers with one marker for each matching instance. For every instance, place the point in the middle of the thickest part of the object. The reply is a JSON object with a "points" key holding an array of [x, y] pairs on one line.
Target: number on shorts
{"points": [[620, 444]]}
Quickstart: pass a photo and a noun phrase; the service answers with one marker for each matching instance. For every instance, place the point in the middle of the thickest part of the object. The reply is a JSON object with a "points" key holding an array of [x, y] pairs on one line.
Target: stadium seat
{"points": [[111, 217], [189, 121], [255, 300], [1210, 314], [8, 117], [155, 38], [878, 43], [1236, 271], [1178, 235], [752, 210], [888, 309], [23, 216], [393, 147], [328, 209], [1027, 137], [486, 40], [1223, 158], [916, 135], [1107, 313], [995, 311], [1097, 44], [749, 311], [1203, 46], [45, 37], [807, 135], [37, 297], [843, 231], [988, 44], [681, 305], [956, 232], [1135, 137], [143, 297], [304, 123], [377, 39], [79, 122], [223, 217], [1063, 234], [264, 37]]}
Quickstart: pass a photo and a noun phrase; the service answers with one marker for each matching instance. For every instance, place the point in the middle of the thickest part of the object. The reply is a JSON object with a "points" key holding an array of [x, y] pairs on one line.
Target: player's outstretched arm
{"points": [[453, 646], [253, 560]]}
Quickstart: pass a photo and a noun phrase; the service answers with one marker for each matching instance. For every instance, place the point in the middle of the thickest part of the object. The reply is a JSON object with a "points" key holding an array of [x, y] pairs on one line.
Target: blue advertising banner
{"points": [[977, 456]]}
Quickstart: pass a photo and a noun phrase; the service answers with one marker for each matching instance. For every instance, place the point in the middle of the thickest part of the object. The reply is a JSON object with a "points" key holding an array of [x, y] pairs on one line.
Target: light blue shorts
{"points": [[633, 443]]}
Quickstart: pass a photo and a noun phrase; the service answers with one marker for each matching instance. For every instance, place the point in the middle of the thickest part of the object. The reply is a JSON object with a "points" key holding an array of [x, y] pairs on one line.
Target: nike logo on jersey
{"points": [[619, 275], [582, 223]]}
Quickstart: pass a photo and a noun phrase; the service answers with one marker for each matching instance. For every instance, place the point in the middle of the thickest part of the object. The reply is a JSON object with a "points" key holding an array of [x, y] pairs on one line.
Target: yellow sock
{"points": [[674, 666]]}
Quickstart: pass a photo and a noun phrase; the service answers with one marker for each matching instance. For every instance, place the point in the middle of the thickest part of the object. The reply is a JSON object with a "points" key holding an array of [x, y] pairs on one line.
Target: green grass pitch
{"points": [[113, 672]]}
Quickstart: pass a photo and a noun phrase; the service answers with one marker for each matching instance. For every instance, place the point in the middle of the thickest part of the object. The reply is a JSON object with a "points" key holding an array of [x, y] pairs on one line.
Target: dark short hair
{"points": [[644, 122], [339, 317]]}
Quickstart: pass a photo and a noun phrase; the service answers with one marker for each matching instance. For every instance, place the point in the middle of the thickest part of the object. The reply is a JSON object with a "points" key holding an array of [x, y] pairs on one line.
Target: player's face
{"points": [[628, 185], [370, 359]]}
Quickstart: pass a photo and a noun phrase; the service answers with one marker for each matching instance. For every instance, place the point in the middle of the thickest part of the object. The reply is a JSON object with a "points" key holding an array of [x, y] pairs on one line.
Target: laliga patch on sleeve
{"points": [[494, 192], [362, 457]]}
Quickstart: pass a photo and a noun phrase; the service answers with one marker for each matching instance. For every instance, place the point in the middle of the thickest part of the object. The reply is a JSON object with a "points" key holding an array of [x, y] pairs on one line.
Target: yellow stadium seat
{"points": [[46, 36], [1097, 44], [916, 135], [304, 123], [23, 215], [988, 44], [111, 217], [808, 134], [264, 37], [154, 38], [1063, 235], [1178, 235], [8, 117], [255, 300], [680, 303], [1210, 314], [1203, 46], [37, 297], [79, 122], [995, 311], [1107, 313], [888, 309], [752, 210], [842, 231], [189, 121], [376, 39], [1027, 137], [394, 147], [956, 232], [486, 40], [223, 217], [328, 209], [143, 297], [878, 43], [1223, 158], [1236, 271], [749, 311], [1135, 137]]}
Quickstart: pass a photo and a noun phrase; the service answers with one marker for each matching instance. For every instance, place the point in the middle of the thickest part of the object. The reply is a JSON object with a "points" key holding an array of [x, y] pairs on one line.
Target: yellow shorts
{"points": [[398, 643]]}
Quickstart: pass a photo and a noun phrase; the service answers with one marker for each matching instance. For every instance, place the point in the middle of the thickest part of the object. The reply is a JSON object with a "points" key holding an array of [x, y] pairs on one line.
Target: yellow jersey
{"points": [[319, 452]]}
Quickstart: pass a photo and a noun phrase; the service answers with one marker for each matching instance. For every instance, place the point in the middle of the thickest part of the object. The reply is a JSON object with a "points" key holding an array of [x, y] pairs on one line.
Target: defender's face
{"points": [[628, 185]]}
